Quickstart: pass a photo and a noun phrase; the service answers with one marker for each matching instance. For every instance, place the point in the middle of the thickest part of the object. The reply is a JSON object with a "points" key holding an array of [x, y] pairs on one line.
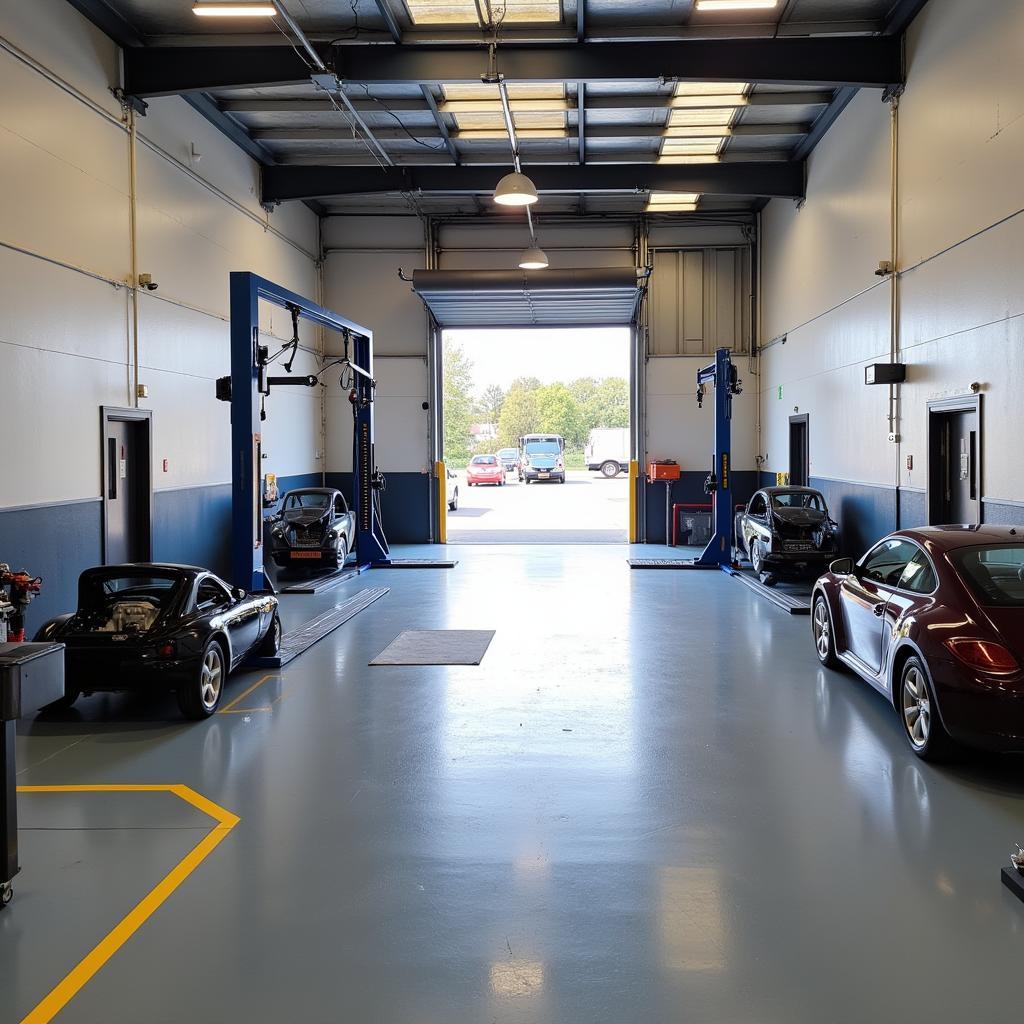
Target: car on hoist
{"points": [[153, 627], [932, 617], [787, 533], [314, 528]]}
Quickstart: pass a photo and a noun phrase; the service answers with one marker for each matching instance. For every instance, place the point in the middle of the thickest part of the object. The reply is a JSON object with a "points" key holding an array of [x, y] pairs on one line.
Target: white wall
{"points": [[66, 335], [961, 147]]}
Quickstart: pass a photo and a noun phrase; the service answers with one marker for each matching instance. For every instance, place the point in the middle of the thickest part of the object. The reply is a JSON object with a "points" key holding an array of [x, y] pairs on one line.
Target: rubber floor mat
{"points": [[436, 647]]}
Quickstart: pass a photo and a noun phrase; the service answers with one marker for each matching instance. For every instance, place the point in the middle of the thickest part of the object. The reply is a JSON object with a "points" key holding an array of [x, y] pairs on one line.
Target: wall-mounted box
{"points": [[885, 373]]}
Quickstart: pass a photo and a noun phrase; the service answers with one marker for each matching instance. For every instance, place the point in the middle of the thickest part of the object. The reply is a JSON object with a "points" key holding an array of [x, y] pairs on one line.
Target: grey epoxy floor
{"points": [[647, 804]]}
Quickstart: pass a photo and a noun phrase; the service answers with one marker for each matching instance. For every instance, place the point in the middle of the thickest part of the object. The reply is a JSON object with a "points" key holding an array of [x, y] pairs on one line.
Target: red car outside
{"points": [[485, 469], [934, 619]]}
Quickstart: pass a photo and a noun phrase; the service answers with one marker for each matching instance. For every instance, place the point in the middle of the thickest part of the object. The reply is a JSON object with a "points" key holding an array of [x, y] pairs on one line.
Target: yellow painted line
{"points": [[255, 686], [246, 711], [95, 960]]}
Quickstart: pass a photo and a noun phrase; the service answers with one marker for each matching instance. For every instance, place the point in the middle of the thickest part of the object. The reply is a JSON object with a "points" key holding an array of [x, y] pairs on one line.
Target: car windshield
{"points": [[798, 499], [484, 460], [994, 573], [307, 499], [508, 453], [542, 448]]}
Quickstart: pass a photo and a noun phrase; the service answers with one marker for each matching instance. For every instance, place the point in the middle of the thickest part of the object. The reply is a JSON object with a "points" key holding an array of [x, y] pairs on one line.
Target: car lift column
{"points": [[721, 374]]}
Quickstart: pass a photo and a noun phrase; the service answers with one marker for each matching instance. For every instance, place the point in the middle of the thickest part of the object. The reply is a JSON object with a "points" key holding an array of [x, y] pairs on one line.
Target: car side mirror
{"points": [[842, 567], [237, 593]]}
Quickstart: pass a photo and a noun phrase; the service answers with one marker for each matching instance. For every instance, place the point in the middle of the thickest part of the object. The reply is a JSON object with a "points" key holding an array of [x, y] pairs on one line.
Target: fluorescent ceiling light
{"points": [[523, 134], [688, 118], [515, 189], [709, 88], [677, 159], [697, 131], [690, 147], [672, 202], [534, 258], [230, 10], [732, 99], [465, 12], [736, 5]]}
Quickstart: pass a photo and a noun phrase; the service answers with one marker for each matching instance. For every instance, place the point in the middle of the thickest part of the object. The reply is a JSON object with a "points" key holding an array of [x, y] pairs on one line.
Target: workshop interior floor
{"points": [[648, 804]]}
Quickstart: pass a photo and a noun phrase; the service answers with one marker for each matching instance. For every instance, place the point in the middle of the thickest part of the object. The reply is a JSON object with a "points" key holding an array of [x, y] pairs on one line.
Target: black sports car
{"points": [[314, 527], [787, 532], [173, 627]]}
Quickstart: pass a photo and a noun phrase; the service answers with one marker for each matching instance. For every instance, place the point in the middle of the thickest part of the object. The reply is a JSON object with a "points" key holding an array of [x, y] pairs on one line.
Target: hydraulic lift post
{"points": [[722, 376], [249, 383]]}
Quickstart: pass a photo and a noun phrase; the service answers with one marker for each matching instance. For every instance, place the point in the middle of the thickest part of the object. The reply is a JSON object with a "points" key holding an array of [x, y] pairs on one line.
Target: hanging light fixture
{"points": [[515, 189], [234, 10], [534, 258]]}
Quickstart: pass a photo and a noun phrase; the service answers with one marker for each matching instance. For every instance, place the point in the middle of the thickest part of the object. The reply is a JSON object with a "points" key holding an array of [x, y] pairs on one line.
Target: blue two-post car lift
{"points": [[250, 384]]}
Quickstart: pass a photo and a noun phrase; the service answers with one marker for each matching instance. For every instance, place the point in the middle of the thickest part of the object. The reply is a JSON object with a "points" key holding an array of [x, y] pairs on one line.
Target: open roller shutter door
{"points": [[602, 297]]}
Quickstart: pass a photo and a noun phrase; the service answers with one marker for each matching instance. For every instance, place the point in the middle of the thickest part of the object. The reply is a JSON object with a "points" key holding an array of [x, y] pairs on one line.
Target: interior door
{"points": [[865, 593], [120, 512], [799, 460], [962, 467]]}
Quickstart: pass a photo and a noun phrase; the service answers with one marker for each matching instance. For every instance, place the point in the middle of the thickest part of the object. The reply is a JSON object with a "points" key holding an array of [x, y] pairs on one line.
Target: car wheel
{"points": [[920, 715], [824, 638], [271, 642], [453, 505], [342, 553], [609, 469], [200, 697]]}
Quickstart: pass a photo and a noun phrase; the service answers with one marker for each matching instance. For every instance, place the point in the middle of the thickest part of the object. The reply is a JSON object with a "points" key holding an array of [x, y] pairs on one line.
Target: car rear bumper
{"points": [[103, 672], [550, 474], [809, 562], [978, 712]]}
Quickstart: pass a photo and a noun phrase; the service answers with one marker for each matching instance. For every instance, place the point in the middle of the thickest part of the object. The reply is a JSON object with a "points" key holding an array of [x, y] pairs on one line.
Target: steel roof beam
{"points": [[296, 181], [863, 61]]}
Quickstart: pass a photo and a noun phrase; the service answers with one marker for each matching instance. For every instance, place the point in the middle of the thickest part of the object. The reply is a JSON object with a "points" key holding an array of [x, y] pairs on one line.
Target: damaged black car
{"points": [[787, 533], [313, 529]]}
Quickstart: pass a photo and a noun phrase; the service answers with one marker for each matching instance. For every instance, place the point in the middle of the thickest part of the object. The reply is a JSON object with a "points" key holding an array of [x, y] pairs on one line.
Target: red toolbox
{"points": [[667, 470]]}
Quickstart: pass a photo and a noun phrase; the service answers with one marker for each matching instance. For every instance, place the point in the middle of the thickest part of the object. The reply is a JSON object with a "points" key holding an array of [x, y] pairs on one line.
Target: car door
{"points": [[241, 618], [756, 520], [863, 596], [914, 593]]}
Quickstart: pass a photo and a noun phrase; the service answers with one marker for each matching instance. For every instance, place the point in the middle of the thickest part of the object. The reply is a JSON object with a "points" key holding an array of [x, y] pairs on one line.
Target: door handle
{"points": [[879, 610]]}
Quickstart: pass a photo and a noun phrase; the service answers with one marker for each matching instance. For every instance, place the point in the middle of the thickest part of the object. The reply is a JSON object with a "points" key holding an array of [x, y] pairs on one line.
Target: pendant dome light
{"points": [[533, 258], [515, 189]]}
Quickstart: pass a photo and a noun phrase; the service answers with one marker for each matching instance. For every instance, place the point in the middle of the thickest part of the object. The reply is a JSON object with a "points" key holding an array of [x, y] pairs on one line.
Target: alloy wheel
{"points": [[917, 708], [211, 678], [822, 629]]}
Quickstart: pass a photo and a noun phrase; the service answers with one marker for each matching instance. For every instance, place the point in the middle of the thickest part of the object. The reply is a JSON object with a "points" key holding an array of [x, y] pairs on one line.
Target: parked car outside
{"points": [[934, 619], [313, 528], [485, 469], [787, 533], [161, 627], [509, 459], [543, 458], [453, 491]]}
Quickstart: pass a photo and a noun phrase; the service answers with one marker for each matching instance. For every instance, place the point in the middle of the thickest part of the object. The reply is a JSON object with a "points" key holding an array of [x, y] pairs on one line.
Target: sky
{"points": [[498, 357]]}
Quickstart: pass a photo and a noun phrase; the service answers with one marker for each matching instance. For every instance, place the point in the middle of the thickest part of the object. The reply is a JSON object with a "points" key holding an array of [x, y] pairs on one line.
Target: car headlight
{"points": [[278, 532]]}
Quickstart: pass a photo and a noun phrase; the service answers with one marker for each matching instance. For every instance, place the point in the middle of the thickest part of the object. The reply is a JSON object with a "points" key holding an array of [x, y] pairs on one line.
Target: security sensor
{"points": [[884, 268], [976, 387], [146, 281]]}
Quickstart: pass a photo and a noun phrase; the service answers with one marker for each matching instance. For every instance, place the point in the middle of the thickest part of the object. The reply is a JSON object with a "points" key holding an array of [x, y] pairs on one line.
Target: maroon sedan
{"points": [[933, 618]]}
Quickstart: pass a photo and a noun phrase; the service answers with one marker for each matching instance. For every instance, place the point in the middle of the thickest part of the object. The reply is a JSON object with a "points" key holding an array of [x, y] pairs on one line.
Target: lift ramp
{"points": [[417, 563], [795, 604], [298, 641], [318, 584]]}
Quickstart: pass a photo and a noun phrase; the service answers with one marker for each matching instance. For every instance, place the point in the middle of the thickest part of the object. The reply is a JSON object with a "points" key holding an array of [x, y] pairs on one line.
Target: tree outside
{"points": [[570, 409]]}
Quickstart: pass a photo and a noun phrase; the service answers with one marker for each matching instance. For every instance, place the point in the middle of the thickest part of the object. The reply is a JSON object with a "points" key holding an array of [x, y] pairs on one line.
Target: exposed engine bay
{"points": [[132, 616]]}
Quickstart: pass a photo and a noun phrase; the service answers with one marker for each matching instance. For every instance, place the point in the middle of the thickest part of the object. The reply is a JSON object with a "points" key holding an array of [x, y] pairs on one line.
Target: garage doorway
{"points": [[126, 466], [954, 461], [568, 388]]}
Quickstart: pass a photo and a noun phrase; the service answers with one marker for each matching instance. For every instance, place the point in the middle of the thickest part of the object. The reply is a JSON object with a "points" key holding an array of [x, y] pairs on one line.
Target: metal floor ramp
{"points": [[795, 604], [417, 563], [298, 641], [667, 563], [316, 584]]}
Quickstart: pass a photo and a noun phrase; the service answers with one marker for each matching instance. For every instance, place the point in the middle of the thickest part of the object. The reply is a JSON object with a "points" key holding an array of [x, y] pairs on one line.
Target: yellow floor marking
{"points": [[80, 975], [255, 686]]}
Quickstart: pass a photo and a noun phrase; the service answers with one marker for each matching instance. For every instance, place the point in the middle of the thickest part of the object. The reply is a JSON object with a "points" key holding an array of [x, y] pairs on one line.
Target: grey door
{"points": [[962, 467], [798, 452], [126, 487]]}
